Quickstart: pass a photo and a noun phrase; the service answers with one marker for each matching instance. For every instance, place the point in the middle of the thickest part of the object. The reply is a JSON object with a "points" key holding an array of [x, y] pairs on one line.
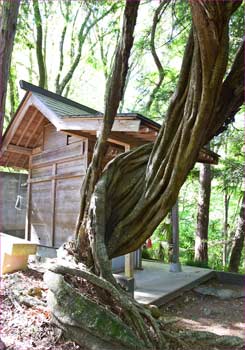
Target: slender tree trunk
{"points": [[8, 21], [175, 232], [95, 248], [225, 226], [201, 239], [30, 66], [238, 243], [14, 94], [39, 44]]}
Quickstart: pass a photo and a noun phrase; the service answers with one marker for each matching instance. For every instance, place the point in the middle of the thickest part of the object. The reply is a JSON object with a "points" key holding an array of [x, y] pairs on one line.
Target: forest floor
{"points": [[196, 312], [25, 319]]}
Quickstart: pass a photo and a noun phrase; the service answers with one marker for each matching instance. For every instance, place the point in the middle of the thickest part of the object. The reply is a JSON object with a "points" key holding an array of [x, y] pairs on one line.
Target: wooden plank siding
{"points": [[67, 207], [41, 213], [56, 173], [57, 170]]}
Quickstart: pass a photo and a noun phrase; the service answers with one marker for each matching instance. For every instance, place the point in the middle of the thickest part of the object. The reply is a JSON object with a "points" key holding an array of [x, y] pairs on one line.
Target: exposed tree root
{"points": [[134, 316], [209, 339], [96, 323]]}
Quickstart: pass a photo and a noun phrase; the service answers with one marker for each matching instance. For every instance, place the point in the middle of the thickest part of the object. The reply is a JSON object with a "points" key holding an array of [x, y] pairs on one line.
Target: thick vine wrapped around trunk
{"points": [[138, 189], [122, 205]]}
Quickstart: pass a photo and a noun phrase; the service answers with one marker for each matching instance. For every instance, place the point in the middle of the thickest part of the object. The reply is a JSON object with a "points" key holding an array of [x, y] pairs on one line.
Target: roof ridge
{"points": [[34, 88]]}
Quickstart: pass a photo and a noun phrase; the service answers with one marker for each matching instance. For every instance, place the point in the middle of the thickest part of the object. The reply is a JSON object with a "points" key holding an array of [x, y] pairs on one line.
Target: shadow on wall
{"points": [[13, 190]]}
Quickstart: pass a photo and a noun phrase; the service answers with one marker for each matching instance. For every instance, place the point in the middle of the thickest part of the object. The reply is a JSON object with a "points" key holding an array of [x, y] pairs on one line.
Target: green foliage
{"points": [[236, 31]]}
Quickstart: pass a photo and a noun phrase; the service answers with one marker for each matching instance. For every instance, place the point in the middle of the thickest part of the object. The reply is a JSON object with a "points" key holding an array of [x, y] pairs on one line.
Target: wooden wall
{"points": [[55, 178], [57, 170], [12, 220]]}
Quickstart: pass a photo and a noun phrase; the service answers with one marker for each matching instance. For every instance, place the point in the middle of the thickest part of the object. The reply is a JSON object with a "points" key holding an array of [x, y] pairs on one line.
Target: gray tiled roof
{"points": [[60, 108]]}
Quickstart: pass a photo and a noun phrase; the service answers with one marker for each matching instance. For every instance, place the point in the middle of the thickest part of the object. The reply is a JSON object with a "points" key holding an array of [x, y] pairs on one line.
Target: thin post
{"points": [[129, 258], [175, 266], [29, 204]]}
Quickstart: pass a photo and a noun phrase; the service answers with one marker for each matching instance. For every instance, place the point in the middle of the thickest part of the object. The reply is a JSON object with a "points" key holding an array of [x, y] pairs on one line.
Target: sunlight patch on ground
{"points": [[205, 324]]}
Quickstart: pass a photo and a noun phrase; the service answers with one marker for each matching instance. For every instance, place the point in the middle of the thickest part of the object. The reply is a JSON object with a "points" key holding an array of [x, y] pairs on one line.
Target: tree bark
{"points": [[8, 23], [141, 193], [153, 176], [39, 45], [201, 239], [238, 243]]}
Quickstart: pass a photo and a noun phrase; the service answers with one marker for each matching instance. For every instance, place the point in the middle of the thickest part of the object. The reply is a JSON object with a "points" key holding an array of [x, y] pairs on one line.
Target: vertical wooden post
{"points": [[129, 258], [85, 152], [175, 265], [28, 206], [129, 265], [53, 200]]}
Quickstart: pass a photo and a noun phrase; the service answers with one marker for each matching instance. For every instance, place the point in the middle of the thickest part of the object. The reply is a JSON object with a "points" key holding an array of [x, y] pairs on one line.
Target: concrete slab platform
{"points": [[156, 285], [14, 253]]}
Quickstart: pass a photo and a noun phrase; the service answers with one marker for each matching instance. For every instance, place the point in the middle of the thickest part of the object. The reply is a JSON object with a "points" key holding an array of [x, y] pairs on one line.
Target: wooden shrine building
{"points": [[52, 138]]}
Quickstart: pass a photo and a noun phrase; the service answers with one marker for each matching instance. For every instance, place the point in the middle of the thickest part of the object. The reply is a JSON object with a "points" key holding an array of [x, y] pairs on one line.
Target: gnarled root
{"points": [[110, 319]]}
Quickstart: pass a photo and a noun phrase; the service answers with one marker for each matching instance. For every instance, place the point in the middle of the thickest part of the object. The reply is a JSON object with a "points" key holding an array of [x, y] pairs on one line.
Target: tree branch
{"points": [[156, 18], [83, 33]]}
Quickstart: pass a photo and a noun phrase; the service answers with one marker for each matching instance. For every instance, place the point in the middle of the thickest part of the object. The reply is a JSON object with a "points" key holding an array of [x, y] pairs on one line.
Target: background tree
{"points": [[87, 25], [8, 21], [13, 91], [39, 45], [238, 241], [201, 237], [153, 45]]}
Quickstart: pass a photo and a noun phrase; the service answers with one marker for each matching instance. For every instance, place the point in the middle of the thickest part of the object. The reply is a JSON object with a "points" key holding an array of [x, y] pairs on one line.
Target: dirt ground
{"points": [[205, 313], [25, 326]]}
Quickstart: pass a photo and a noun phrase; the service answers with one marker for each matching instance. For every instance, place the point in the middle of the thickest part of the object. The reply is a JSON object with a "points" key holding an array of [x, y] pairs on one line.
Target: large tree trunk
{"points": [[141, 193], [8, 20], [121, 206], [238, 243], [201, 239]]}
